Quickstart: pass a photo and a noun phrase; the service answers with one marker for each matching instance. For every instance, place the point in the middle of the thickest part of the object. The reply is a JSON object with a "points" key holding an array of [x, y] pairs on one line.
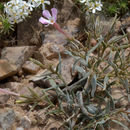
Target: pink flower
{"points": [[51, 19]]}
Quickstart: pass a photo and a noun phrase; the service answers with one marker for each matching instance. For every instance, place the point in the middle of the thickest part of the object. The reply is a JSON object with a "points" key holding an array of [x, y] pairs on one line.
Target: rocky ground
{"points": [[18, 73]]}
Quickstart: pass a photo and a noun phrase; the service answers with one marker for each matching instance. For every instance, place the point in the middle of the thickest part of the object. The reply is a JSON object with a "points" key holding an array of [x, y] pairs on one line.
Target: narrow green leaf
{"points": [[59, 66], [95, 47], [94, 84], [105, 82]]}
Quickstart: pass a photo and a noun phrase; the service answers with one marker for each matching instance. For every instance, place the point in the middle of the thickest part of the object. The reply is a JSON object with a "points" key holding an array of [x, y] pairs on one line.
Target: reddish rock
{"points": [[30, 67], [51, 50], [93, 42], [7, 69]]}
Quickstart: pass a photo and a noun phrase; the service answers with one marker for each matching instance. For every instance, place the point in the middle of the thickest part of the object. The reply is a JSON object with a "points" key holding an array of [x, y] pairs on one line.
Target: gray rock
{"points": [[7, 119], [25, 122], [4, 98], [17, 55], [19, 128]]}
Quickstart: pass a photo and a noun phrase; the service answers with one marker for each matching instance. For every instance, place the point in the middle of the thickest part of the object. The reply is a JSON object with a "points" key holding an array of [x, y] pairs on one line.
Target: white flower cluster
{"points": [[92, 5], [18, 10], [37, 3]]}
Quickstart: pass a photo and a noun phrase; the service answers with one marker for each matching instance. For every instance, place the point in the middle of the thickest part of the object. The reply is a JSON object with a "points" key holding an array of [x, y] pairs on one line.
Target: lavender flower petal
{"points": [[46, 14], [54, 13], [44, 21]]}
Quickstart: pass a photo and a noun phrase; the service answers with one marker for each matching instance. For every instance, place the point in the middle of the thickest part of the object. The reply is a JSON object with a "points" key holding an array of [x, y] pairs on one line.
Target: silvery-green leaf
{"points": [[126, 117], [92, 109], [116, 39], [105, 82], [80, 70], [126, 84], [95, 47], [58, 68], [112, 104], [94, 84]]}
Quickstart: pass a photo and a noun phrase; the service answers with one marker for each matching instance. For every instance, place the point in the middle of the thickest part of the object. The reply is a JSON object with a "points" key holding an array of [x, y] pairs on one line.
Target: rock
{"points": [[66, 69], [25, 122], [4, 98], [128, 32], [19, 128], [117, 26], [13, 86], [93, 42], [24, 90], [41, 117], [41, 79], [55, 37], [7, 118], [72, 26], [30, 67], [17, 55], [7, 69], [53, 124], [68, 11], [118, 93], [52, 50]]}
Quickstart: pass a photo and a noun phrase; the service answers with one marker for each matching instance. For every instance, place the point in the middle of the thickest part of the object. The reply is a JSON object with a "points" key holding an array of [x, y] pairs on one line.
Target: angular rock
{"points": [[66, 67], [7, 118], [56, 37], [52, 50], [72, 26], [38, 79], [30, 67], [17, 55], [7, 69], [25, 122], [19, 128], [117, 26], [118, 93], [4, 98], [41, 116], [13, 86], [53, 124], [68, 11], [24, 90], [128, 32]]}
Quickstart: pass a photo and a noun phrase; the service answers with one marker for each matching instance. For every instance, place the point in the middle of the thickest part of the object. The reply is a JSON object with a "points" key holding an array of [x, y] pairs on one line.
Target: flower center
{"points": [[97, 5], [52, 21], [42, 1], [0, 24]]}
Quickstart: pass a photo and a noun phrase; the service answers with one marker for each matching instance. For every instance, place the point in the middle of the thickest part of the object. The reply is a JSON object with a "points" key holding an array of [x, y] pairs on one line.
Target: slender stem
{"points": [[61, 31]]}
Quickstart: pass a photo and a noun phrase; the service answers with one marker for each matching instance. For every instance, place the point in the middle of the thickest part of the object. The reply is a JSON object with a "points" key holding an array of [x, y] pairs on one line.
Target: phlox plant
{"points": [[99, 68]]}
